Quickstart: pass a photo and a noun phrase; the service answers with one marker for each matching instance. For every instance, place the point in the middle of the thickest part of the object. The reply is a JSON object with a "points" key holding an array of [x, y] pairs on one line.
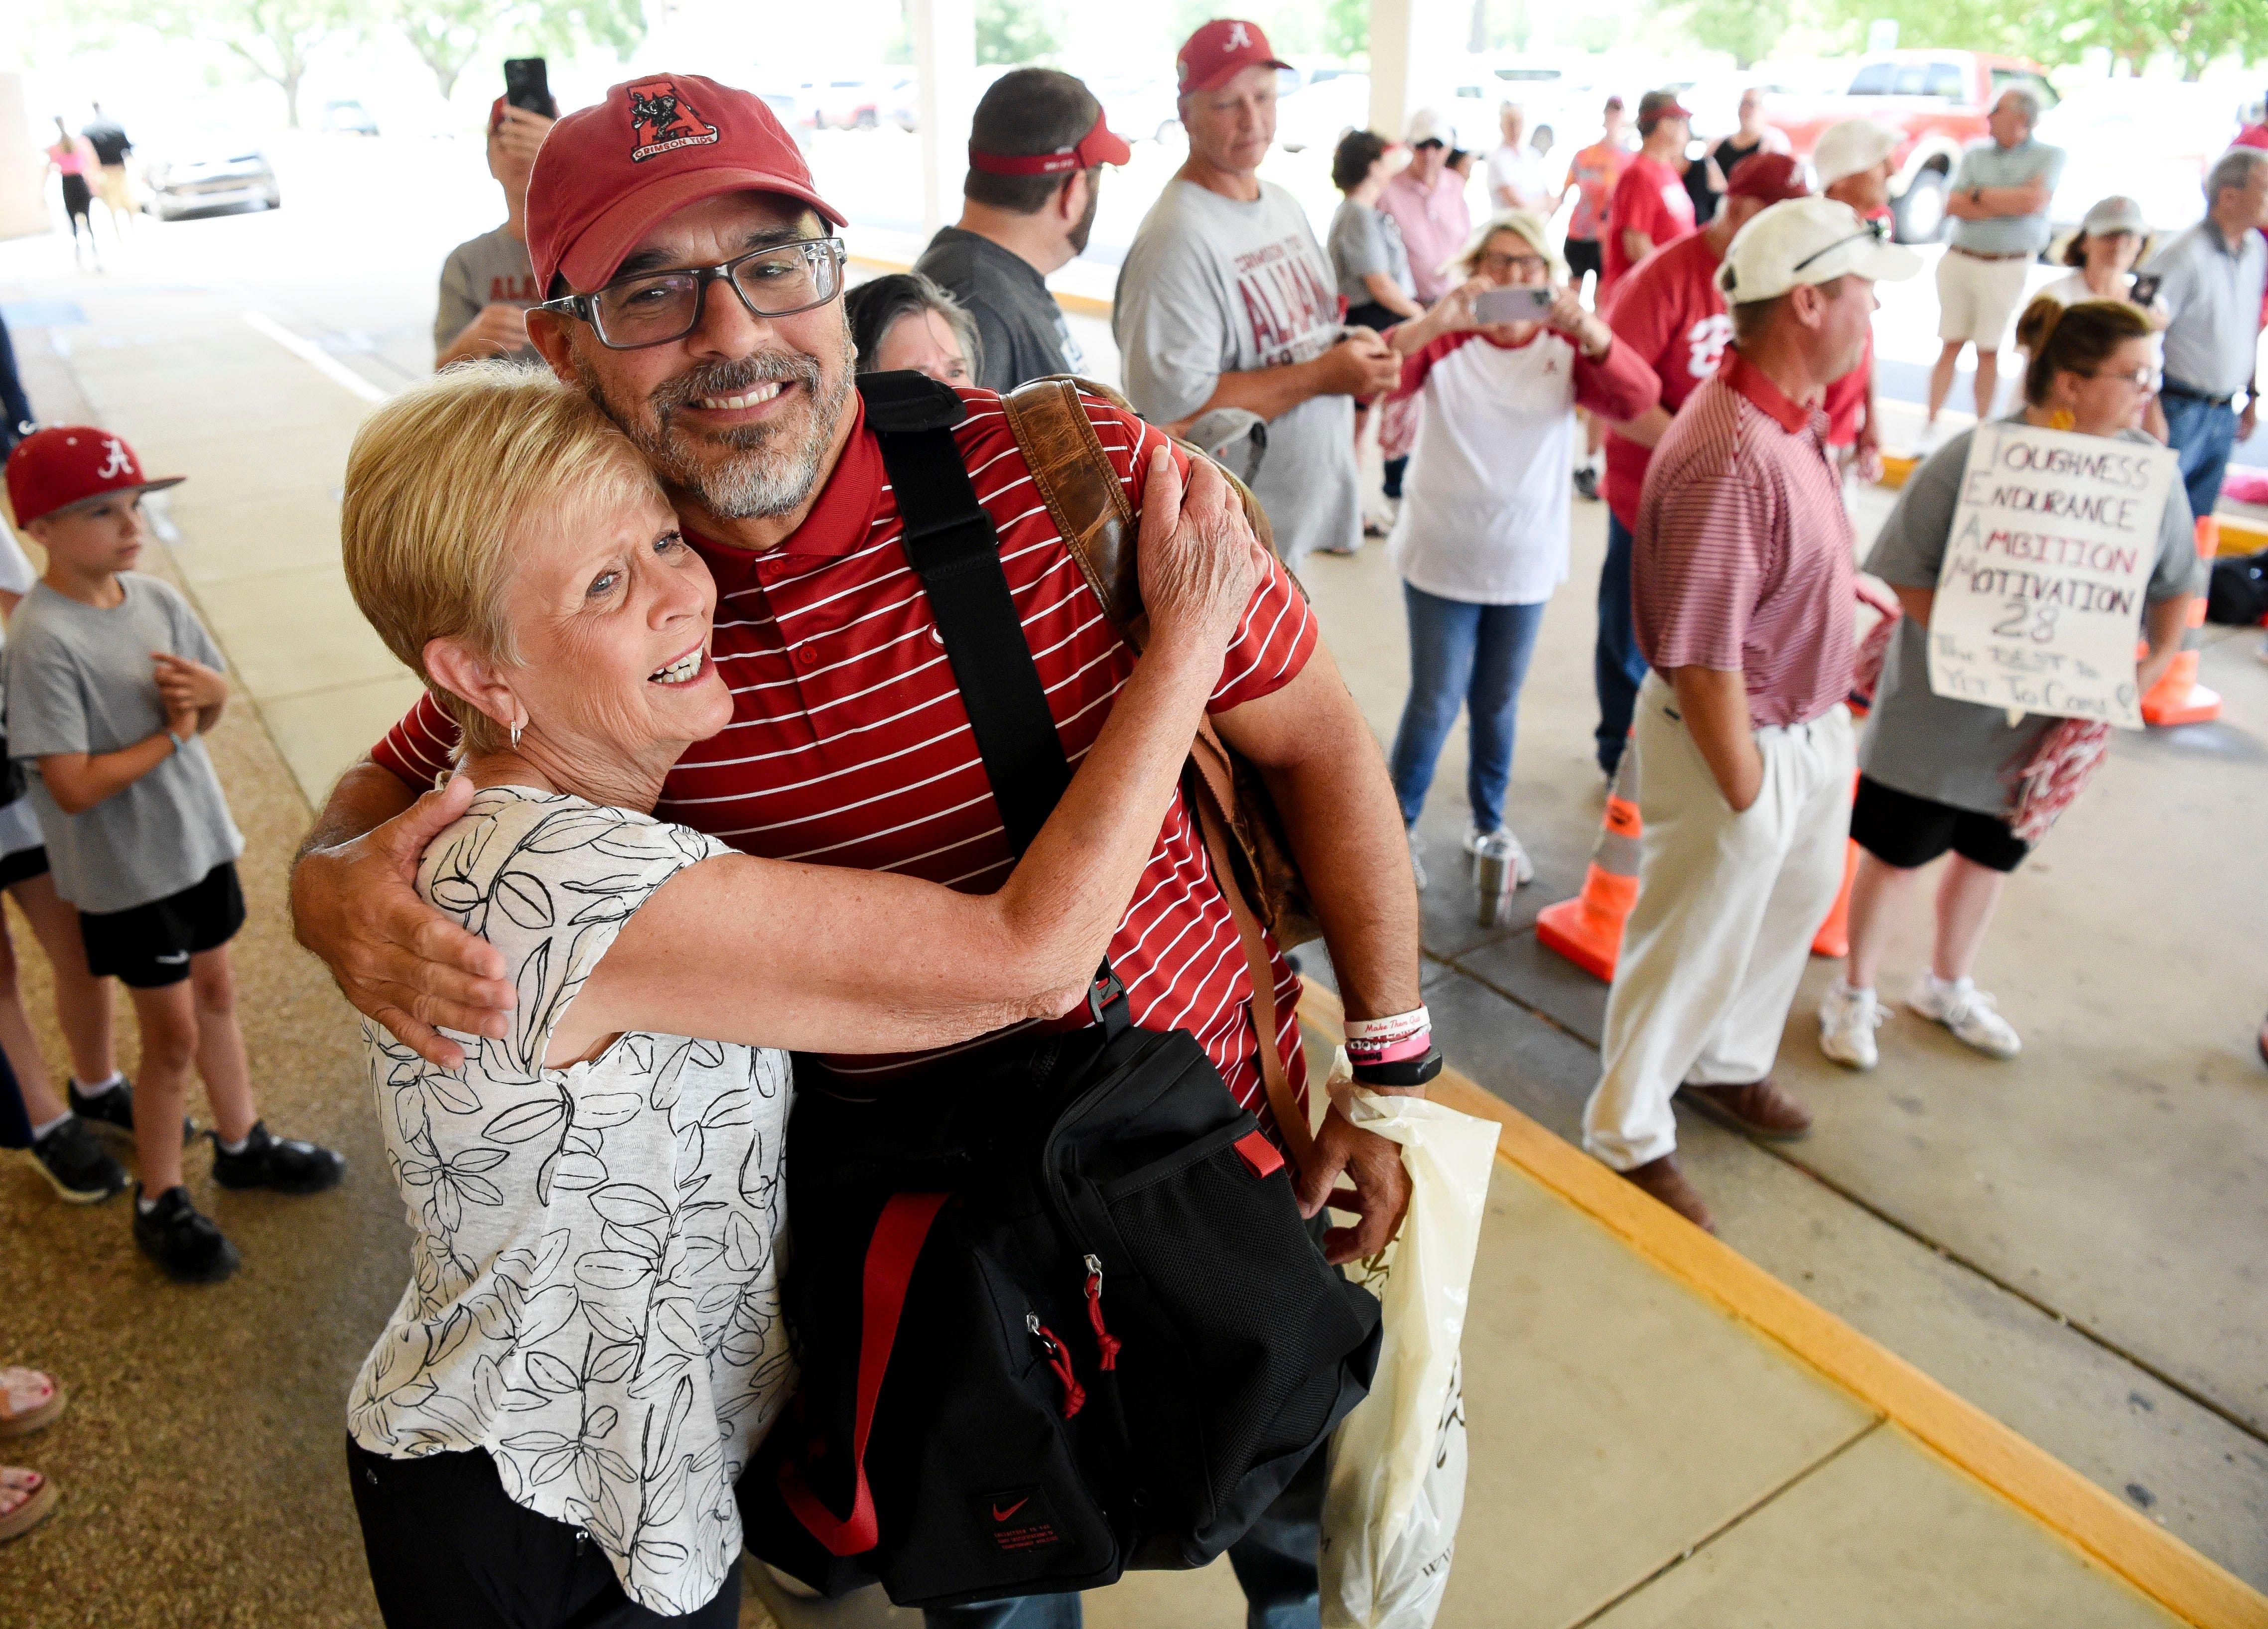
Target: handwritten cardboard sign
{"points": [[2040, 597]]}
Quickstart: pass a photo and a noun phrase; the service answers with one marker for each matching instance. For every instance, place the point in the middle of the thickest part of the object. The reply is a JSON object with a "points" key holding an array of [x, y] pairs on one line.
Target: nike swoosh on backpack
{"points": [[999, 1514]]}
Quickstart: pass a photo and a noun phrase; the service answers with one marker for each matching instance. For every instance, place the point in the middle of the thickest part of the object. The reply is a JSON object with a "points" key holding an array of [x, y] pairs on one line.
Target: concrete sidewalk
{"points": [[1642, 1454]]}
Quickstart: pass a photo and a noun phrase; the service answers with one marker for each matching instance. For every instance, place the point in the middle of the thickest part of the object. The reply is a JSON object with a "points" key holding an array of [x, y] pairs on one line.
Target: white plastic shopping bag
{"points": [[1397, 1462]]}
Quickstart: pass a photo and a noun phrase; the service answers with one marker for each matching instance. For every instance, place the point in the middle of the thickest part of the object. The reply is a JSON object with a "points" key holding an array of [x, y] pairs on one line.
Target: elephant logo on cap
{"points": [[662, 120]]}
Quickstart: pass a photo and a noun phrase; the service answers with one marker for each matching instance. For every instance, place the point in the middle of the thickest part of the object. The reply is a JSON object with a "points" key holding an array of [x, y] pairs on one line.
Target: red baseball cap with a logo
{"points": [[1775, 177], [1217, 52], [51, 469], [605, 174]]}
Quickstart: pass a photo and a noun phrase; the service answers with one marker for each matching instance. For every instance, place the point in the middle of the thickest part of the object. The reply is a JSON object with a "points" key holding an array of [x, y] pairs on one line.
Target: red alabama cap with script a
{"points": [[66, 464], [1218, 51], [606, 174]]}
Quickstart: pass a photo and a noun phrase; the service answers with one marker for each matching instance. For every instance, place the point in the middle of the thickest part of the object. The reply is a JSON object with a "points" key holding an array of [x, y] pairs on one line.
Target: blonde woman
{"points": [[1482, 539], [590, 1346]]}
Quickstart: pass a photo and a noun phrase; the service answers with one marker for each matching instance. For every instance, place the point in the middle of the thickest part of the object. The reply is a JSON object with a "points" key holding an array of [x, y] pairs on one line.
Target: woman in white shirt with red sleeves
{"points": [[1481, 540]]}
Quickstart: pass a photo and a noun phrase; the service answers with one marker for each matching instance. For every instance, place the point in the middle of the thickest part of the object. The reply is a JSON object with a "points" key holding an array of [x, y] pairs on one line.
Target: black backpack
{"points": [[2237, 591], [1056, 1309]]}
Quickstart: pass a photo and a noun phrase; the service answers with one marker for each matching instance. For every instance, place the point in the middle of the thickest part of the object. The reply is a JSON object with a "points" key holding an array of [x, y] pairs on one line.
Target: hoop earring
{"points": [[515, 737]]}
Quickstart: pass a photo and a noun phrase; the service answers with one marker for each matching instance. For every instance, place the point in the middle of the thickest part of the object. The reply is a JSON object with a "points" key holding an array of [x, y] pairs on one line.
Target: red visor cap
{"points": [[65, 464], [1217, 52], [1774, 177], [607, 173], [1100, 145]]}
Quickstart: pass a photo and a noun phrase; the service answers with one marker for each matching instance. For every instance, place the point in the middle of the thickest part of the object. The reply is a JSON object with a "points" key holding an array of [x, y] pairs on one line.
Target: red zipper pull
{"points": [[1059, 1361], [1105, 1342]]}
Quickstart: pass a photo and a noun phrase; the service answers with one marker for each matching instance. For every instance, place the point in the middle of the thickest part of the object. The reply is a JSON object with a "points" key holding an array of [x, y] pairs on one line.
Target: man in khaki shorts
{"points": [[1998, 203]]}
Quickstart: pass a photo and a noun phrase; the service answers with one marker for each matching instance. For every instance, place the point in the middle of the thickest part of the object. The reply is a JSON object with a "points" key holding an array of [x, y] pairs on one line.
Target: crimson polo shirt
{"points": [[850, 745], [1742, 558]]}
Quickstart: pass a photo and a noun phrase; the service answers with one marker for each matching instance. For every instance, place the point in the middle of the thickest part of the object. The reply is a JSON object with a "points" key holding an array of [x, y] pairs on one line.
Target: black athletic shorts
{"points": [[448, 1548], [149, 947], [79, 199], [23, 866], [1585, 254], [1901, 830]]}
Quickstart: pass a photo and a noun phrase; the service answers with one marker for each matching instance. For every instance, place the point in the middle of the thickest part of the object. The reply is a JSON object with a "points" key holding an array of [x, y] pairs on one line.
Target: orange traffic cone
{"points": [[1834, 936], [2177, 697], [1587, 929]]}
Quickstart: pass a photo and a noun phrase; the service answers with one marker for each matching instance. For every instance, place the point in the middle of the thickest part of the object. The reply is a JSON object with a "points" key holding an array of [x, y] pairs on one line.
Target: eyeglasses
{"points": [[1517, 265], [2142, 378], [1878, 230], [653, 309]]}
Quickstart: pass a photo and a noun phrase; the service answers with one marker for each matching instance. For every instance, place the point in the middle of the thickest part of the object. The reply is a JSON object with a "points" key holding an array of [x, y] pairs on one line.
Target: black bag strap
{"points": [[954, 548]]}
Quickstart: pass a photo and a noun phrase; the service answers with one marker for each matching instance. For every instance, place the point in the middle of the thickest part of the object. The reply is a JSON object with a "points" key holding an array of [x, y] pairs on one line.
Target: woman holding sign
{"points": [[1938, 773]]}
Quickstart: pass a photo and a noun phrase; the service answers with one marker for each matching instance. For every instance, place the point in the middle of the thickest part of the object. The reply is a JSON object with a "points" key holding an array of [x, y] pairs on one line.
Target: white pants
{"points": [[1726, 908]]}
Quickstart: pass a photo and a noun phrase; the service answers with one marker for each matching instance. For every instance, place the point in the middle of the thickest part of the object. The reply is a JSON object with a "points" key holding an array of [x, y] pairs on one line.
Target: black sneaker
{"points": [[182, 1239], [1586, 484], [81, 1169], [113, 1106], [282, 1163]]}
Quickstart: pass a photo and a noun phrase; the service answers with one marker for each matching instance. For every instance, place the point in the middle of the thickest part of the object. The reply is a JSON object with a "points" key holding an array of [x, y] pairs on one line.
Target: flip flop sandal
{"points": [[28, 1400], [38, 1506]]}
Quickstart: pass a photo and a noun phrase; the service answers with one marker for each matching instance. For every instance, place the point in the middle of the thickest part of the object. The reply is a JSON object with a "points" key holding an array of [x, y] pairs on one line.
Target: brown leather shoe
{"points": [[1759, 1108], [1665, 1182]]}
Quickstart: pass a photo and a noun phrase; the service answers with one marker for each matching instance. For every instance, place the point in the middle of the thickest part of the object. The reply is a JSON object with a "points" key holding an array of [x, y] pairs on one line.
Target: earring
{"points": [[515, 737]]}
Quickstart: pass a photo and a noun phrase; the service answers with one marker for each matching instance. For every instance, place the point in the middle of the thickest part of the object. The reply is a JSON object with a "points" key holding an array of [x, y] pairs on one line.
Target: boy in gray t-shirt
{"points": [[111, 684]]}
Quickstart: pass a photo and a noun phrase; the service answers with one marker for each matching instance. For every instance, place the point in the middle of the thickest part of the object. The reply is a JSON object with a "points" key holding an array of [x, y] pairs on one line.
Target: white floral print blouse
{"points": [[597, 1250]]}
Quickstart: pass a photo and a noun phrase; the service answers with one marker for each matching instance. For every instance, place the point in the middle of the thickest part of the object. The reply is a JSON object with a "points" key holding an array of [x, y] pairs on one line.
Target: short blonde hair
{"points": [[444, 479], [1525, 224]]}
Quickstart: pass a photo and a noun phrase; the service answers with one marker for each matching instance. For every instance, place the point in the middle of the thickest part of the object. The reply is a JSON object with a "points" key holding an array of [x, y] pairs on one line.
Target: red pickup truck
{"points": [[1938, 101]]}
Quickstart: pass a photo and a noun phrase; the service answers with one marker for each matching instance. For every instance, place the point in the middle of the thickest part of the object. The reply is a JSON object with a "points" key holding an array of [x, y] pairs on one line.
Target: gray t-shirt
{"points": [[1214, 285], [79, 679], [491, 270], [1364, 241], [1988, 164], [1021, 328], [1935, 746]]}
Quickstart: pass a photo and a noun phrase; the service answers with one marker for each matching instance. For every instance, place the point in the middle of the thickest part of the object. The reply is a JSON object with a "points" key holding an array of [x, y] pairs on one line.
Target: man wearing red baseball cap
{"points": [[1037, 149], [1225, 301], [1669, 313], [694, 286], [1651, 205], [487, 284]]}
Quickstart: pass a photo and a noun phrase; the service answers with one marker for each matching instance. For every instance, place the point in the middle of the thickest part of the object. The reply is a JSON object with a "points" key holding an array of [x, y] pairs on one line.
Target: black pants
{"points": [[449, 1550]]}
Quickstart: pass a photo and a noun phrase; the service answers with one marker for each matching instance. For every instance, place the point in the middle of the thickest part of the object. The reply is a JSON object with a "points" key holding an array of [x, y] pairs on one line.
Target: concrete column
{"points": [[23, 200], [945, 64], [1414, 47]]}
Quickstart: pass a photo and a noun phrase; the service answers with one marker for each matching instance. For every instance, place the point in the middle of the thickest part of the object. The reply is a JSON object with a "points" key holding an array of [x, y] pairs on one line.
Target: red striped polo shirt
{"points": [[850, 746], [1741, 560]]}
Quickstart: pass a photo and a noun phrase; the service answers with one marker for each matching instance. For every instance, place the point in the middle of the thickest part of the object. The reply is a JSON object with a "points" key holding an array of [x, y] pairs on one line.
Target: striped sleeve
{"points": [[420, 749], [1278, 631]]}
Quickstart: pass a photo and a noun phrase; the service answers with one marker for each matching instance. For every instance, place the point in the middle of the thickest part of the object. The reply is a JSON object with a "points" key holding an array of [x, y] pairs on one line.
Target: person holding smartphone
{"points": [[487, 284], [1502, 359]]}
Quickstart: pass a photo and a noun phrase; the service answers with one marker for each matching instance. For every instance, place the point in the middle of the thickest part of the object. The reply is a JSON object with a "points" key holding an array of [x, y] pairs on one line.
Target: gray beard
{"points": [[767, 473]]}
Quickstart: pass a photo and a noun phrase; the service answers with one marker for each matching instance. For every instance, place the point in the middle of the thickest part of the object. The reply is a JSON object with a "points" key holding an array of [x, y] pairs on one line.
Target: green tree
{"points": [[446, 34], [1747, 29], [2194, 32], [1346, 27], [1013, 32], [273, 38]]}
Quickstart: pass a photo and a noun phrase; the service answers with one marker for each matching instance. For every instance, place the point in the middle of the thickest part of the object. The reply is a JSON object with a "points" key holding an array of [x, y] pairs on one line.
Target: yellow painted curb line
{"points": [[2130, 1544], [2241, 537], [1086, 305]]}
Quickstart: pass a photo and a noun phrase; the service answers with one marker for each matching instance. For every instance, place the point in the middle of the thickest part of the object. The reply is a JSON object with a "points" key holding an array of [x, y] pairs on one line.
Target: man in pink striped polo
{"points": [[1741, 568]]}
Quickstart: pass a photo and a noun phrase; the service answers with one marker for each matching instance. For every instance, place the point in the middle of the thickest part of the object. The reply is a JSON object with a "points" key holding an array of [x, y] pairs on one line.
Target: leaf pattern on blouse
{"points": [[597, 1250]]}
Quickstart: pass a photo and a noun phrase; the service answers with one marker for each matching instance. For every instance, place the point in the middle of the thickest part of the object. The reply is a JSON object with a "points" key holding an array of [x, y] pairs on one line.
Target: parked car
{"points": [[2150, 139], [212, 177], [844, 104], [1937, 101], [348, 117], [1330, 104]]}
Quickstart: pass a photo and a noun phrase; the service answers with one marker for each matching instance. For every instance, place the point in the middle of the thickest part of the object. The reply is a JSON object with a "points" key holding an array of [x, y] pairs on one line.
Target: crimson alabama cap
{"points": [[605, 174], [51, 469], [1218, 51], [1775, 177]]}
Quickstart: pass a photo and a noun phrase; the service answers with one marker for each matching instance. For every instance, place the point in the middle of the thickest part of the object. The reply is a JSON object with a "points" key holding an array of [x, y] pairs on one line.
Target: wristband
{"points": [[1402, 1075], [1392, 1040], [1389, 1028], [181, 743]]}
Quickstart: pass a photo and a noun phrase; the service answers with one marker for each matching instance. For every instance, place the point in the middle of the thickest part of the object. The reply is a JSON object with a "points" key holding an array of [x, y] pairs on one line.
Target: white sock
{"points": [[238, 1146], [117, 1078], [143, 1205], [38, 1131], [1849, 991]]}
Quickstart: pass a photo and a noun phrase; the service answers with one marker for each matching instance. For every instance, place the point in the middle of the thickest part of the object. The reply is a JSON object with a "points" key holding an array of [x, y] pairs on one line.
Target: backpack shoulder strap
{"points": [[1079, 487], [952, 545]]}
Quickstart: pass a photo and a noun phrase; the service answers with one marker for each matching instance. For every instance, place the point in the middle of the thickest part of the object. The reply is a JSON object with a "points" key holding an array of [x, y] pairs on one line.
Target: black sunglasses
{"points": [[1878, 230]]}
